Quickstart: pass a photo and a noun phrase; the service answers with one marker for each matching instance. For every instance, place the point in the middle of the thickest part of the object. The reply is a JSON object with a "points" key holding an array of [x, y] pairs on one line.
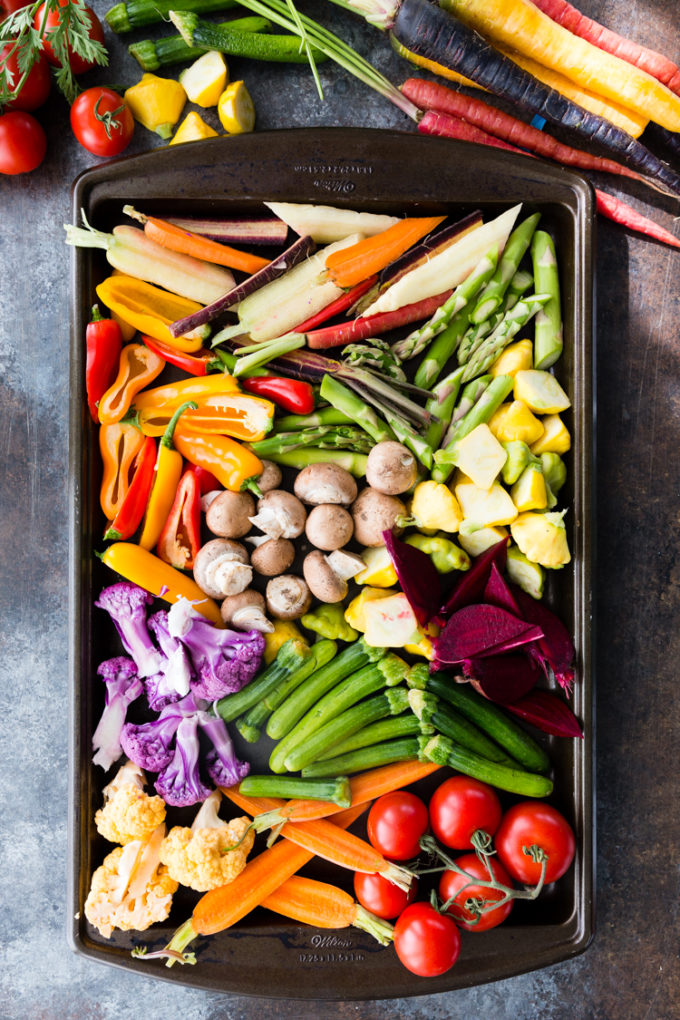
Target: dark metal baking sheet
{"points": [[380, 171]]}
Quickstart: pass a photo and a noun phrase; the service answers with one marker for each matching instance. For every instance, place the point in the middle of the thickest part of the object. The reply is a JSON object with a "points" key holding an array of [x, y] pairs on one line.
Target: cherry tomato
{"points": [[36, 87], [451, 888], [78, 64], [102, 122], [427, 942], [8, 7], [22, 143], [395, 824], [533, 823], [459, 807], [380, 896]]}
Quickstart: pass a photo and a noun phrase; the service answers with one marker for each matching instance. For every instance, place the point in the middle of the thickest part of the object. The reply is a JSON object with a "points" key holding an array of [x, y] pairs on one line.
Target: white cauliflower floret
{"points": [[131, 889], [128, 812], [199, 857]]}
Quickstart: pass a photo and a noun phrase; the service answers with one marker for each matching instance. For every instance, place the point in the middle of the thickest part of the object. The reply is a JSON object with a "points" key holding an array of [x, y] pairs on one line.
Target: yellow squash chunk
{"points": [[480, 456], [514, 358], [192, 129], [391, 623], [540, 391], [435, 506], [485, 507], [355, 614], [555, 437], [379, 570], [542, 537], [475, 540], [529, 491], [235, 109], [515, 420], [528, 576], [157, 103], [284, 630], [205, 80]]}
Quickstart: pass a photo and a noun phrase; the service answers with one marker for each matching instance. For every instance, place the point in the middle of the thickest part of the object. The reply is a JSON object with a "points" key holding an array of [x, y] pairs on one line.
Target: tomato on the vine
{"points": [[451, 887], [22, 143], [426, 942], [534, 823], [35, 88], [51, 21], [460, 806], [382, 897], [395, 824], [102, 122]]}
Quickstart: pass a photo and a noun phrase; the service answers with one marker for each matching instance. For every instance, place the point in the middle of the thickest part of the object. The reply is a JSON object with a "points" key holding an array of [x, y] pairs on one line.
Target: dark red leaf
{"points": [[555, 651], [417, 575], [471, 586], [548, 712], [503, 678], [498, 593], [480, 630]]}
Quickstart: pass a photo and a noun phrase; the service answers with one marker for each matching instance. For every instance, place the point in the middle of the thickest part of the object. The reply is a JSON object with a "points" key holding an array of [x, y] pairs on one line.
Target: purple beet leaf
{"points": [[503, 678], [480, 630], [470, 588], [548, 712], [554, 652], [498, 593], [417, 575]]}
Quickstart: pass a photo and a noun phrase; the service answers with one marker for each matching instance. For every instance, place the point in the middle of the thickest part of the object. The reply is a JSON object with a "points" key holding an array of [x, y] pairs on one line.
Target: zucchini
{"points": [[361, 759], [206, 35], [443, 751], [151, 54], [336, 790], [431, 711], [291, 656]]}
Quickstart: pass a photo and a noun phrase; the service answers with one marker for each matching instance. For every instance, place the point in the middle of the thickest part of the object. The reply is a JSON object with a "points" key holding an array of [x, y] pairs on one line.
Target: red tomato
{"points": [[451, 888], [36, 87], [96, 32], [8, 7], [102, 122], [459, 807], [427, 942], [380, 896], [22, 143], [533, 823], [395, 824]]}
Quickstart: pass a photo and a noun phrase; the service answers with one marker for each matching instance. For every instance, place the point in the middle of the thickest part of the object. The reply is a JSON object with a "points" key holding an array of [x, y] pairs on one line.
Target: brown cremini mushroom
{"points": [[391, 468], [273, 556], [374, 512], [325, 483], [246, 611], [221, 568], [280, 514], [288, 597], [329, 526], [229, 513]]}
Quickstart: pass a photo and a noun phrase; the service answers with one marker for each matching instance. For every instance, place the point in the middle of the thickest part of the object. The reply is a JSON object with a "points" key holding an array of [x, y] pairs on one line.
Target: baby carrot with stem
{"points": [[325, 906], [178, 239]]}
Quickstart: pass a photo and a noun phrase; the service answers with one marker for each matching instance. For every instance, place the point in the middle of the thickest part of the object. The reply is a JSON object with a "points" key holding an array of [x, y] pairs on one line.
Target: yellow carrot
{"points": [[520, 25], [351, 265]]}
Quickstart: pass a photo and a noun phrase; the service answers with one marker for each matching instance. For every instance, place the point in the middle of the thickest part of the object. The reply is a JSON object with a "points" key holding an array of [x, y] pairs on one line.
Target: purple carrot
{"points": [[417, 575], [546, 711], [258, 230], [298, 251]]}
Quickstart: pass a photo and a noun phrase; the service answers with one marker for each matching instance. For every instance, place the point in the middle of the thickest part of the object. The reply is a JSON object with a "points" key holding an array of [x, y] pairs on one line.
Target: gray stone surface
{"points": [[631, 970]]}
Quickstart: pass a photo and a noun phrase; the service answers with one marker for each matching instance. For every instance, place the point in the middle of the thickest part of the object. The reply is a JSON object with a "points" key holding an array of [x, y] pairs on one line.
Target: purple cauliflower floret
{"points": [[150, 744], [174, 679], [123, 686], [222, 765], [224, 660], [127, 604], [180, 783]]}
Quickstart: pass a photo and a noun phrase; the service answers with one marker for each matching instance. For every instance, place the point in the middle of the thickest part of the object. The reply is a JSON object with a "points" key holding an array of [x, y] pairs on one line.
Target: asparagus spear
{"points": [[416, 342], [441, 406], [326, 437], [474, 334], [480, 414], [548, 324], [353, 462], [514, 320], [468, 398], [443, 347], [513, 253], [322, 416], [344, 400]]}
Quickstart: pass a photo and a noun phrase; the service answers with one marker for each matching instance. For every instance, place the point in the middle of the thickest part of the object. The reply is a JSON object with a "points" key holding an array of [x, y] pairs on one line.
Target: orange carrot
{"points": [[350, 266], [220, 908], [363, 787], [429, 95], [324, 906], [613, 208], [651, 61], [177, 239]]}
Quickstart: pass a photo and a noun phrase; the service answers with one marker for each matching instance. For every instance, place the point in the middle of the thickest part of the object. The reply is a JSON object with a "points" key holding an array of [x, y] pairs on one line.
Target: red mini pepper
{"points": [[194, 364], [292, 395], [180, 538], [103, 344], [131, 510]]}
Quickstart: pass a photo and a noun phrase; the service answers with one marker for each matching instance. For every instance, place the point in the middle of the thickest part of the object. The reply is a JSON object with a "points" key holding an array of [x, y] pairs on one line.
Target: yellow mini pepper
{"points": [[160, 579], [150, 309], [166, 479], [157, 103], [198, 388]]}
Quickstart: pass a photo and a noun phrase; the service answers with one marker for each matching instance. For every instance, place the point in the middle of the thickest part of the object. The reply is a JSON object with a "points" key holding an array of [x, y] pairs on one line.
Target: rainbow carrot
{"points": [[367, 257]]}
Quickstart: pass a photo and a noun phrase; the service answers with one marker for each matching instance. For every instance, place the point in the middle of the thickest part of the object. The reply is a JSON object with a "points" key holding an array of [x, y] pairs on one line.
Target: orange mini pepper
{"points": [[119, 445], [232, 414], [234, 466], [197, 388], [137, 367]]}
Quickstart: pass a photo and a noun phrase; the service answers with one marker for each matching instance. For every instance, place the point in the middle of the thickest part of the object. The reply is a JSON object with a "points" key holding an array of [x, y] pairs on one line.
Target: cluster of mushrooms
{"points": [[326, 511]]}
